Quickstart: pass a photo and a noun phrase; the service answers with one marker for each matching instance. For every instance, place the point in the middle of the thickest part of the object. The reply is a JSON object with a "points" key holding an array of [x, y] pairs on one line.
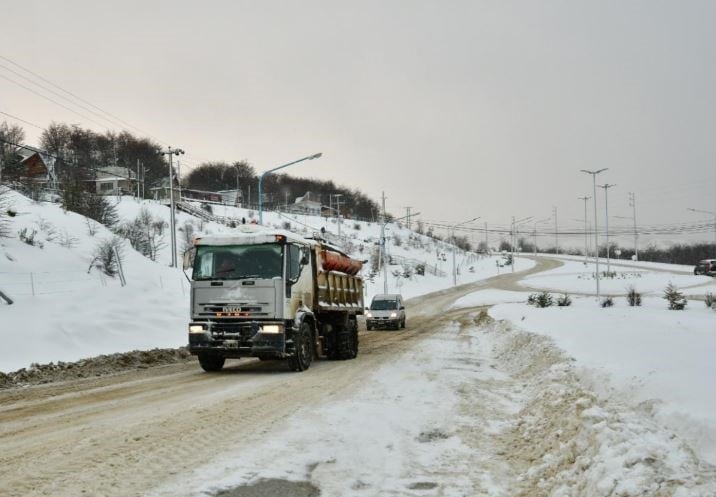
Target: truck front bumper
{"points": [[236, 339]]}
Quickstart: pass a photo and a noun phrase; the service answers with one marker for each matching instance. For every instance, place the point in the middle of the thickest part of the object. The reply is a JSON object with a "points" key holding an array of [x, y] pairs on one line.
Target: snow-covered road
{"points": [[454, 405]]}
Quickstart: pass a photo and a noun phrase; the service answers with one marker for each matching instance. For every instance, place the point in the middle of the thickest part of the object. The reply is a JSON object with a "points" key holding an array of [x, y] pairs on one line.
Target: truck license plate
{"points": [[232, 344]]}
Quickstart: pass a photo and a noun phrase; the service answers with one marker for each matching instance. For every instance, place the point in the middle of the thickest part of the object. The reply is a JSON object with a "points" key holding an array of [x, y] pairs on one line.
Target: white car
{"points": [[387, 310]]}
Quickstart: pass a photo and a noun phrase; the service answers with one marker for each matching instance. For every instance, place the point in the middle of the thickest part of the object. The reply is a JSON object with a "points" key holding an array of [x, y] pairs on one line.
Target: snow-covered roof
{"points": [[251, 234]]}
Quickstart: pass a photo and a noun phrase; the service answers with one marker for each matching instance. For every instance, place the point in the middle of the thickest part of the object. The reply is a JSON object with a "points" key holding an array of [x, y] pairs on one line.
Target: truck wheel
{"points": [[348, 341], [368, 327], [211, 363], [303, 353], [402, 325]]}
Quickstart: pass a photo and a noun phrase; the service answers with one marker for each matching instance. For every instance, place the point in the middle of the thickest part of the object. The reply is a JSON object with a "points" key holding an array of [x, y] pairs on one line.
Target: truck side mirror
{"points": [[188, 261]]}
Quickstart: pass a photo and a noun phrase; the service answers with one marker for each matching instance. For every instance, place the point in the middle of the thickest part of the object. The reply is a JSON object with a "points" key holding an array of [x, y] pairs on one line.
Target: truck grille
{"points": [[245, 309]]}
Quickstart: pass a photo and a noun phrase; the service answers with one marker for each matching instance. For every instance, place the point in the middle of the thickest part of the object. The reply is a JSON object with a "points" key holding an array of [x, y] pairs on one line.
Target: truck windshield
{"points": [[235, 262], [384, 305]]}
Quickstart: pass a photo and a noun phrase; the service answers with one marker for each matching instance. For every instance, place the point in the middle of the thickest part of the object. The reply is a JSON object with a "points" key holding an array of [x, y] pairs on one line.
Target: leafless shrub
{"points": [[145, 233], [105, 256]]}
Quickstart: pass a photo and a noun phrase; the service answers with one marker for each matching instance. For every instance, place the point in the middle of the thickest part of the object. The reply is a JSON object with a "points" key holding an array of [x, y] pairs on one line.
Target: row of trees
{"points": [[80, 152], [278, 189]]}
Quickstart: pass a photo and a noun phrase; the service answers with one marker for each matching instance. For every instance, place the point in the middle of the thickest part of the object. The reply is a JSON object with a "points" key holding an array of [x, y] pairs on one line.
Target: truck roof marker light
{"points": [[196, 240], [280, 238]]}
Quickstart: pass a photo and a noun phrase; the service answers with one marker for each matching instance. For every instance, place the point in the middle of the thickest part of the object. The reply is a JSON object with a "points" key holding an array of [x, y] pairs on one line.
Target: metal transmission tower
{"points": [[596, 238], [606, 188], [171, 152], [632, 204], [586, 239]]}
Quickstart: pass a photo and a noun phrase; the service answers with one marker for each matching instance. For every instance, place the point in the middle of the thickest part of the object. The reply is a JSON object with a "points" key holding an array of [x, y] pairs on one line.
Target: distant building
{"points": [[115, 180], [231, 197], [38, 167], [305, 205]]}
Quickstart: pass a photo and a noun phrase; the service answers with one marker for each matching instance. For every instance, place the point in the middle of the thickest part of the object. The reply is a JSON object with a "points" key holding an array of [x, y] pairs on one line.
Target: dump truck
{"points": [[274, 295]]}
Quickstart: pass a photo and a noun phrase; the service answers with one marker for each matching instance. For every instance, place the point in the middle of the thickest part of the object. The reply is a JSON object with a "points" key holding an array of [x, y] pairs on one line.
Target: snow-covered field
{"points": [[578, 277]]}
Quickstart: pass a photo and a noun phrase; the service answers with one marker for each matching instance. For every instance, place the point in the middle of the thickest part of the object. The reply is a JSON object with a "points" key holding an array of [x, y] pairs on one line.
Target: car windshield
{"points": [[235, 262], [384, 305]]}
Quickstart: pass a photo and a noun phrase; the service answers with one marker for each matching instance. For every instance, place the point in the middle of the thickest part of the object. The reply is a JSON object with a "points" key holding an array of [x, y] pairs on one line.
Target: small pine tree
{"points": [[564, 300], [607, 302], [676, 299]]}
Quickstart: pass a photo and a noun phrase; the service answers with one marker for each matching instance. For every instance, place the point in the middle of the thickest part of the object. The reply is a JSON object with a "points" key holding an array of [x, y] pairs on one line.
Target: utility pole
{"points": [[596, 238], [144, 173], [382, 246], [586, 248], [172, 152], [137, 178], [606, 188], [556, 230], [632, 204], [407, 212], [487, 241]]}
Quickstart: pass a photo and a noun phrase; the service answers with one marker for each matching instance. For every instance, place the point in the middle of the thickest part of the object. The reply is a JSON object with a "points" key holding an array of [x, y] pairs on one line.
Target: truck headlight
{"points": [[368, 315], [196, 328], [393, 315], [272, 328]]}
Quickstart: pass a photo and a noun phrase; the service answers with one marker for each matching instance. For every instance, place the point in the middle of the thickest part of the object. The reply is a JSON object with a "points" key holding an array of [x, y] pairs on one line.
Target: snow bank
{"points": [[647, 354]]}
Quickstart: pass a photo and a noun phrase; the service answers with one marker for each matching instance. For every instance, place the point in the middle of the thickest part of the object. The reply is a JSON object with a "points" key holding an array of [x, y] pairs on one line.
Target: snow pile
{"points": [[568, 441], [642, 353]]}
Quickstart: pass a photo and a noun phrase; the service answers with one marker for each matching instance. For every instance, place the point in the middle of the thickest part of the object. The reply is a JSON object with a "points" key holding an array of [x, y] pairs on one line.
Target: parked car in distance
{"points": [[387, 310], [707, 267]]}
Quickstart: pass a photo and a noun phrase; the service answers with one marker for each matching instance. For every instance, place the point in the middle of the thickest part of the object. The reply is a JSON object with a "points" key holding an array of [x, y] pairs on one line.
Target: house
{"points": [[115, 180], [231, 197], [306, 205], [37, 166]]}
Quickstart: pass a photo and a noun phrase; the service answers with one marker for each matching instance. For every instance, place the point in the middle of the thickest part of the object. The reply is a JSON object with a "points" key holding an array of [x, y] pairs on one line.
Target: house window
{"points": [[106, 187]]}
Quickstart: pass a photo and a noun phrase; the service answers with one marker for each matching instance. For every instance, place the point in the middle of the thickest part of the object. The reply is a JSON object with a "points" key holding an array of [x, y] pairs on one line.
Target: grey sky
{"points": [[459, 109]]}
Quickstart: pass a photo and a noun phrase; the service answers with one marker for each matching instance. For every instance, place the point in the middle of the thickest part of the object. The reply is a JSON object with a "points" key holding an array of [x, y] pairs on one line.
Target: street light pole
{"points": [[606, 211], [261, 180], [632, 203], [586, 251], [454, 248], [172, 152], [714, 215], [596, 237]]}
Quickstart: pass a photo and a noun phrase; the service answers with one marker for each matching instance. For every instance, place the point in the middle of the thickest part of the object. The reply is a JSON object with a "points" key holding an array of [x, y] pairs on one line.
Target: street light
{"points": [[454, 247], [586, 250], [714, 215], [606, 216], [171, 152], [261, 181], [596, 237], [513, 238]]}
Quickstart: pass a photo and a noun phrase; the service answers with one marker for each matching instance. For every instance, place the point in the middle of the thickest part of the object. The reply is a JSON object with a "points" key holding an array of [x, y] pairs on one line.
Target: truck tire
{"points": [[303, 349], [347, 342], [211, 363], [402, 325]]}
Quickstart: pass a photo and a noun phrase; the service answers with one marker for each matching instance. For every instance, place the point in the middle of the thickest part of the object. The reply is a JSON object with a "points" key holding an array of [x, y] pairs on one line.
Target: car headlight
{"points": [[196, 328], [272, 328], [393, 315]]}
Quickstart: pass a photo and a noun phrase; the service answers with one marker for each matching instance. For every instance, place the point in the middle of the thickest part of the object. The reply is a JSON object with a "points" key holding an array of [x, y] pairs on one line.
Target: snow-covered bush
{"points": [[105, 256], [542, 299], [145, 233], [29, 237], [633, 297], [709, 300], [564, 300], [607, 302], [676, 299]]}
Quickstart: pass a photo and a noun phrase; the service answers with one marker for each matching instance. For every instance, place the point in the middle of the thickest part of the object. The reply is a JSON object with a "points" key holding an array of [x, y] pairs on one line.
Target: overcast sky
{"points": [[458, 109]]}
